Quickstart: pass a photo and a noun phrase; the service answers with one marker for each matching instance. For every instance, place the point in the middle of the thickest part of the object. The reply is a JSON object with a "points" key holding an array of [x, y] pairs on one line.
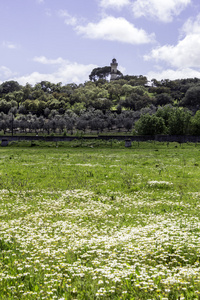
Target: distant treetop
{"points": [[101, 73]]}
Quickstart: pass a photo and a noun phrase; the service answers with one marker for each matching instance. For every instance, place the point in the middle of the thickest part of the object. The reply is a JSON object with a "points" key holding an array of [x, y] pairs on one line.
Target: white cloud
{"points": [[6, 72], [164, 10], [122, 69], [114, 3], [74, 72], [67, 72], [9, 45], [46, 61], [174, 74], [192, 25], [186, 54], [115, 29], [69, 19]]}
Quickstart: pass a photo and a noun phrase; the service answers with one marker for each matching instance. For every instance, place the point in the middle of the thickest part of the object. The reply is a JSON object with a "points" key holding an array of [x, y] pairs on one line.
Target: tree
{"points": [[46, 86], [22, 110], [61, 124], [136, 102], [192, 97], [46, 112], [31, 105], [163, 99], [3, 125], [102, 104], [35, 125], [18, 97], [70, 124], [150, 125], [54, 124], [119, 122], [135, 80], [23, 124], [114, 90], [128, 124], [47, 125], [195, 124], [127, 89], [101, 73], [179, 122], [13, 111], [9, 97], [97, 124], [27, 90], [5, 106], [41, 107], [165, 112], [41, 121], [78, 108], [111, 121], [81, 124], [9, 87], [53, 104]]}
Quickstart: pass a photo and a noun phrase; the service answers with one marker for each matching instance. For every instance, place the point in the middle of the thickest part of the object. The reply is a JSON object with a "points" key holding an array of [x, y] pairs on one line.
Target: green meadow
{"points": [[96, 220]]}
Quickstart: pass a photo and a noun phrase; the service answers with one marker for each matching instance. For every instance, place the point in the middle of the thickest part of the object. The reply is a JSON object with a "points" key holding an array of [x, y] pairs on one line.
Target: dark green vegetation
{"points": [[98, 221], [128, 104]]}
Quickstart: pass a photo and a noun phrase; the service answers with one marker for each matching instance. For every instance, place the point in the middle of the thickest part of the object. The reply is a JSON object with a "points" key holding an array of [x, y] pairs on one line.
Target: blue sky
{"points": [[63, 40]]}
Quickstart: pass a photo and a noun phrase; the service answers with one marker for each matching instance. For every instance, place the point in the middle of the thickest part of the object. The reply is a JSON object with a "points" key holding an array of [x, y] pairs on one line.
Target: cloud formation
{"points": [[9, 45], [115, 29], [46, 61], [69, 19], [6, 72], [157, 9], [66, 72], [192, 25], [114, 3], [186, 54], [174, 74]]}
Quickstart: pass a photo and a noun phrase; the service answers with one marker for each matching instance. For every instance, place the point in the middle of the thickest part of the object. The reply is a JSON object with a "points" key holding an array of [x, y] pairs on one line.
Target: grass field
{"points": [[86, 220]]}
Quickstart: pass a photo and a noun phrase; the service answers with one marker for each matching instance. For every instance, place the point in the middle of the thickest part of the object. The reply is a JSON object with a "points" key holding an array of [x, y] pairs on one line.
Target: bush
{"points": [[195, 124], [150, 125], [179, 122]]}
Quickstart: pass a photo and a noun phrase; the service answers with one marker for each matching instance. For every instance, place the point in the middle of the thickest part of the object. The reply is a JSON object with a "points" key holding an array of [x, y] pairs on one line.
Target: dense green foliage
{"points": [[99, 223], [99, 105]]}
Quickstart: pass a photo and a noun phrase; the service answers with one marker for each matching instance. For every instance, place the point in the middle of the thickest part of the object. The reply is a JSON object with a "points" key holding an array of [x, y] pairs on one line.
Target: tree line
{"points": [[129, 103]]}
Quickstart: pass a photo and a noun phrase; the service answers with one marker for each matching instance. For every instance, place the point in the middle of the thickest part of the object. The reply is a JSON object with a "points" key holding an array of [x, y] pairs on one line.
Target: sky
{"points": [[64, 40]]}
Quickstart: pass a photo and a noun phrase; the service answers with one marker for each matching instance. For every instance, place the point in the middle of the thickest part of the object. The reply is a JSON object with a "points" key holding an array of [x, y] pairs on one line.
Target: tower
{"points": [[113, 71]]}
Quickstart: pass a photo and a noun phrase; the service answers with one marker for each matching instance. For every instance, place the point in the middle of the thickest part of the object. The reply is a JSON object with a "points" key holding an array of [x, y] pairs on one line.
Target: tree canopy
{"points": [[101, 73], [167, 106]]}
